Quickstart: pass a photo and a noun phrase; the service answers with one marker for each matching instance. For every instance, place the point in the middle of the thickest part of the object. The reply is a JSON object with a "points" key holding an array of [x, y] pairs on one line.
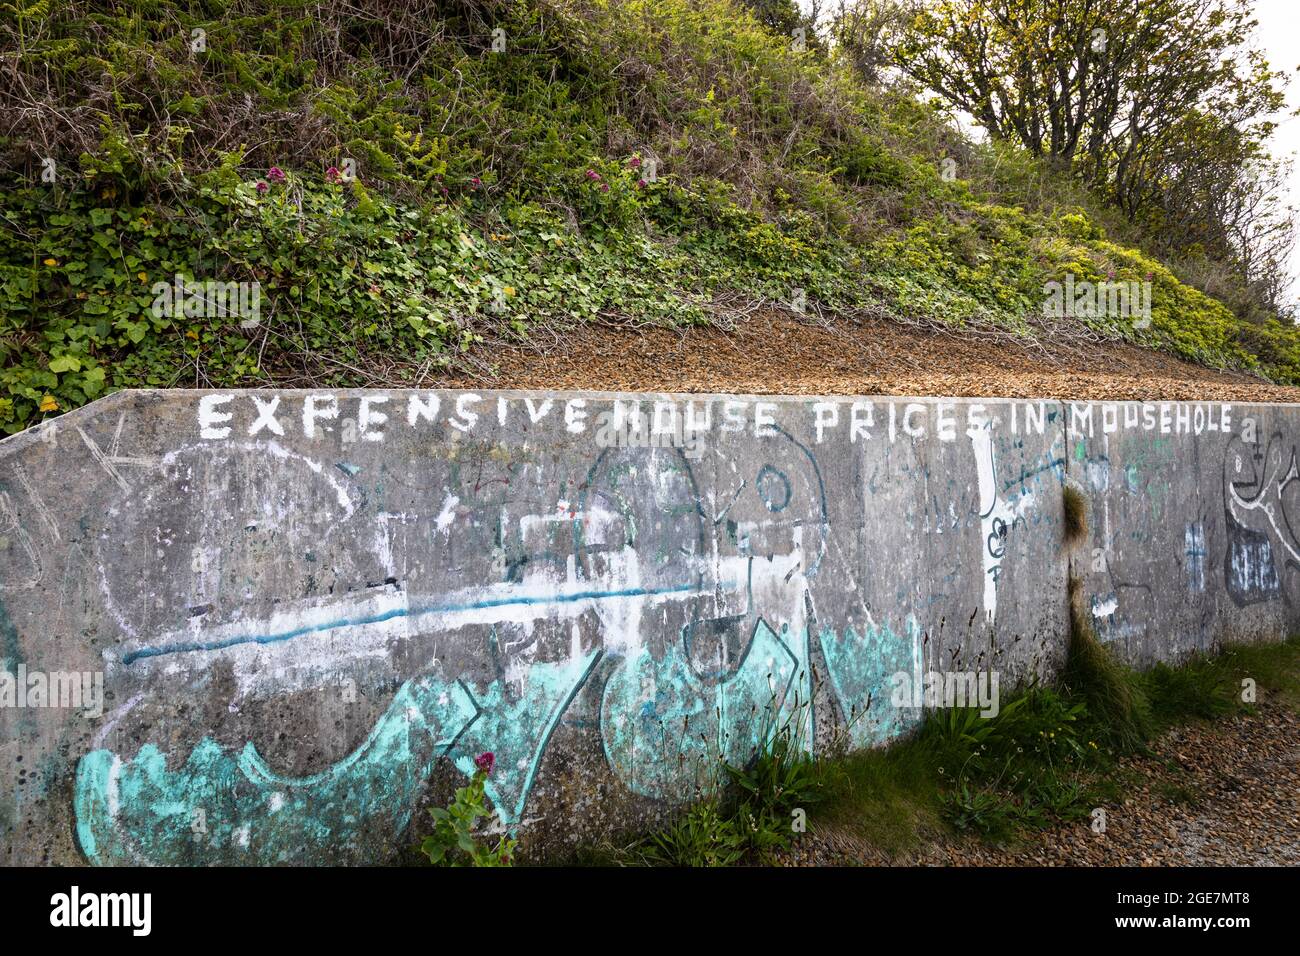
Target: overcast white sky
{"points": [[1279, 37]]}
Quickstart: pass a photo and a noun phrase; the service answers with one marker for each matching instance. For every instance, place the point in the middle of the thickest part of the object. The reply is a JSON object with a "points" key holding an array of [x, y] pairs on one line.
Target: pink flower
{"points": [[275, 174], [640, 184], [592, 174], [635, 162], [475, 182], [485, 761], [332, 175], [262, 186]]}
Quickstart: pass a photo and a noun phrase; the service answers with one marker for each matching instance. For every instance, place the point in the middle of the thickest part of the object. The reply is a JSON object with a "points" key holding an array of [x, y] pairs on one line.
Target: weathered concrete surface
{"points": [[1192, 533], [311, 610]]}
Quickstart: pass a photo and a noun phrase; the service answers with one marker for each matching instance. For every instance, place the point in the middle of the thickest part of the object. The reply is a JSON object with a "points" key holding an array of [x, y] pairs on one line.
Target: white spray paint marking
{"points": [[205, 557], [114, 774], [448, 514], [997, 516], [302, 644], [1102, 609], [113, 718], [310, 642], [1276, 477]]}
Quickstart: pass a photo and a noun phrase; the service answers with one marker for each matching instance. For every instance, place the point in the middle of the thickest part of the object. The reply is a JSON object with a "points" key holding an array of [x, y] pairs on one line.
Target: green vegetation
{"points": [[1049, 755], [705, 835], [754, 810], [1087, 85], [1211, 686], [1026, 767], [453, 841], [661, 161], [1112, 693]]}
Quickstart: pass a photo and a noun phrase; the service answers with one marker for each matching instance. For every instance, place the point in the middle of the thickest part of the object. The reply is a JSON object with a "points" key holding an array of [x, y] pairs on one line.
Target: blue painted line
{"points": [[187, 647], [1058, 463]]}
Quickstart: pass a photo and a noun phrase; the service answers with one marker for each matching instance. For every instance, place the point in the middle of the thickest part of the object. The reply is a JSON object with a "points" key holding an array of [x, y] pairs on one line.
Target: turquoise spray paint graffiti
{"points": [[662, 566], [224, 809], [518, 731], [666, 729], [860, 667]]}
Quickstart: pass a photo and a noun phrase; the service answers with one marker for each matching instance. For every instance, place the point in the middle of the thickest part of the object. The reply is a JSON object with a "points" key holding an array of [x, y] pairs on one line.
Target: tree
{"points": [[780, 16], [1159, 106]]}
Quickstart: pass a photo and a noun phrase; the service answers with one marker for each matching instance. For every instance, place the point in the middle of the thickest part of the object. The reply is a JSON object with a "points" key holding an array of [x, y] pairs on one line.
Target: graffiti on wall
{"points": [[430, 576], [1161, 538], [638, 539], [1263, 555]]}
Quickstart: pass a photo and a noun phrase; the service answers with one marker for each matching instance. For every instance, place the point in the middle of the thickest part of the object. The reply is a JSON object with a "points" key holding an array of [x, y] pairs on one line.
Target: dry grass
{"points": [[1075, 508]]}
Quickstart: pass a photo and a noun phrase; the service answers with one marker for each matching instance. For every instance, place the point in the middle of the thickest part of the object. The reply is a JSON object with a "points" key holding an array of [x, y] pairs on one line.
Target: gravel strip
{"points": [[773, 353]]}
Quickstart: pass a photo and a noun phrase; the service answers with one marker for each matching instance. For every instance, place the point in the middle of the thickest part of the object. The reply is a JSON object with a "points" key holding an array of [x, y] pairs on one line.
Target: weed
{"points": [[1112, 692], [1200, 689], [1271, 668], [1075, 510], [755, 810], [705, 835], [983, 811], [453, 841], [782, 778]]}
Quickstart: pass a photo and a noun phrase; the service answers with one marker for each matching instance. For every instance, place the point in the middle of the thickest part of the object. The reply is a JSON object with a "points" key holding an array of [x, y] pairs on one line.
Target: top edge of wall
{"points": [[89, 411], [610, 394]]}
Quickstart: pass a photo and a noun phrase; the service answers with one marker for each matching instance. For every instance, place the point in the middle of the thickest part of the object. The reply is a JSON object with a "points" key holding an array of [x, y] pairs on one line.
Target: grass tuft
{"points": [[1112, 692], [758, 807], [886, 797], [1076, 514]]}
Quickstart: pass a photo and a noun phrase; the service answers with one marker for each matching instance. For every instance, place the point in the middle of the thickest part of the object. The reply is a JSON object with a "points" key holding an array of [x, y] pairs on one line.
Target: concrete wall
{"points": [[309, 611]]}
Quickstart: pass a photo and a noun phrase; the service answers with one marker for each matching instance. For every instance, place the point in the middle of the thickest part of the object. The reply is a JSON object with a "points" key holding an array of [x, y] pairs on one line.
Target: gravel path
{"points": [[1226, 793], [774, 353]]}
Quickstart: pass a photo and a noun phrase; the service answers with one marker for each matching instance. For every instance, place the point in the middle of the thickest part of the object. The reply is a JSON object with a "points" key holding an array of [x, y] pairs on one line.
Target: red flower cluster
{"points": [[275, 174], [485, 761]]}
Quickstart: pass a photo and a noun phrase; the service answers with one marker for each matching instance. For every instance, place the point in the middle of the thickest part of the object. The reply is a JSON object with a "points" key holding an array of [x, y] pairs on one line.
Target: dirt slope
{"points": [[776, 353]]}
